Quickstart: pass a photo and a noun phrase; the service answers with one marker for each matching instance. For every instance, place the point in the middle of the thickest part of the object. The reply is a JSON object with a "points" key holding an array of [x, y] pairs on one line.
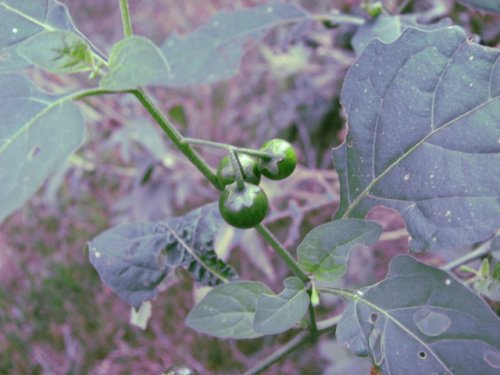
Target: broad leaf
{"points": [[325, 250], [134, 62], [58, 52], [37, 133], [228, 311], [489, 5], [389, 28], [132, 259], [422, 319], [21, 20], [424, 115], [213, 51], [276, 314]]}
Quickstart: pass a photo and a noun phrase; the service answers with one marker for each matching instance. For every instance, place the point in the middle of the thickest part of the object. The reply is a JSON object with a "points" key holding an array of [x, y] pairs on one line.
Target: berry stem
{"points": [[238, 174]]}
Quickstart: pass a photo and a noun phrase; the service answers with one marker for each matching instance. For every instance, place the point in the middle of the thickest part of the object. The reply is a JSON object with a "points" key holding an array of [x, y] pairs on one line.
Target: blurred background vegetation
{"points": [[56, 317]]}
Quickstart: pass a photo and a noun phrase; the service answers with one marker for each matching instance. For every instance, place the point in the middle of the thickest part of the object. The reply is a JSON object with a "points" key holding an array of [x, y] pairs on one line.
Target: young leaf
{"points": [[37, 133], [325, 250], [389, 28], [134, 62], [423, 138], [22, 20], [213, 51], [132, 259], [489, 5], [420, 318], [228, 310], [60, 52], [276, 314]]}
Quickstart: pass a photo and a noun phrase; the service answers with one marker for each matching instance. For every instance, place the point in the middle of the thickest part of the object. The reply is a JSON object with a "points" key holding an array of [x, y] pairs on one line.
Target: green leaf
{"points": [[37, 133], [134, 62], [276, 314], [424, 115], [228, 310], [58, 51], [213, 51], [422, 319], [22, 20], [325, 250], [488, 5], [132, 259], [389, 28]]}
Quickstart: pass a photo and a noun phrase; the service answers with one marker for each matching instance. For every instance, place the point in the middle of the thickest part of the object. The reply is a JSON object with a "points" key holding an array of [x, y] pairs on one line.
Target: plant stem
{"points": [[313, 328], [126, 20], [482, 250], [238, 174], [240, 150], [327, 324], [175, 136], [339, 18], [324, 326], [295, 343], [282, 252]]}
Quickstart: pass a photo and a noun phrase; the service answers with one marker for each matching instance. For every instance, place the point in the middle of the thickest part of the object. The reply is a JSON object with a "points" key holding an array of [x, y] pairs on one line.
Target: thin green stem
{"points": [[175, 136], [299, 340], [282, 252], [481, 251], [224, 146], [327, 324], [339, 18], [238, 174], [126, 20]]}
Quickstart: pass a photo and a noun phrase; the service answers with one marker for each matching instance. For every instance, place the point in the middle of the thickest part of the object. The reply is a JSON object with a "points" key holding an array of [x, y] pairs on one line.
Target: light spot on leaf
{"points": [[447, 282], [406, 177], [15, 30], [270, 9], [492, 359], [97, 254], [471, 58], [431, 323]]}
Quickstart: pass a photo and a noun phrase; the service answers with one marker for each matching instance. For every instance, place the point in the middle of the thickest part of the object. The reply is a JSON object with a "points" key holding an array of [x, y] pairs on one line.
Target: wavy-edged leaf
{"points": [[325, 250], [489, 5], [422, 319], [37, 133], [60, 52], [388, 28], [278, 313], [21, 20], [132, 259], [424, 119], [134, 62], [228, 310], [213, 51]]}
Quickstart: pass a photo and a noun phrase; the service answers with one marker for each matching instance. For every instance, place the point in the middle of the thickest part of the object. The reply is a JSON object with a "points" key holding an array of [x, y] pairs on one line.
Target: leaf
{"points": [[213, 51], [325, 250], [132, 259], [196, 251], [58, 52], [424, 119], [21, 20], [389, 28], [37, 133], [488, 5], [228, 310], [276, 314], [420, 318], [134, 62]]}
